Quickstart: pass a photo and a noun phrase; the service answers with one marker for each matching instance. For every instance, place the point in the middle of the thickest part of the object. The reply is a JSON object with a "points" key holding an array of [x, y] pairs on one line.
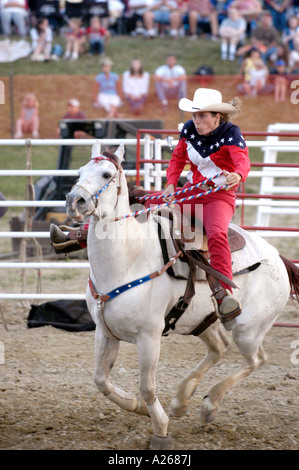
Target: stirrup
{"points": [[61, 242], [57, 235], [229, 308]]}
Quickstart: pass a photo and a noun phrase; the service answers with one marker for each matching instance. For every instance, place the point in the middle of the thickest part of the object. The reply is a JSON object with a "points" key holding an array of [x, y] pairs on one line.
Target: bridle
{"points": [[95, 197]]}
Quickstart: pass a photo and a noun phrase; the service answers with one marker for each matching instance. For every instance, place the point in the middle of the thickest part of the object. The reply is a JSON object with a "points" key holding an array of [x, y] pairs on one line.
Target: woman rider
{"points": [[211, 144]]}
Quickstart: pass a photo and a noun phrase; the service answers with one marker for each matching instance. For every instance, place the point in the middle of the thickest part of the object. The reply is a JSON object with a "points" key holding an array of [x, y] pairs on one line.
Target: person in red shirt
{"points": [[211, 144], [75, 38], [97, 36]]}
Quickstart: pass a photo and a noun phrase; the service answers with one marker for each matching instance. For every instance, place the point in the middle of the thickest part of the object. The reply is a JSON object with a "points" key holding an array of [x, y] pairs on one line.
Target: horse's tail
{"points": [[293, 273]]}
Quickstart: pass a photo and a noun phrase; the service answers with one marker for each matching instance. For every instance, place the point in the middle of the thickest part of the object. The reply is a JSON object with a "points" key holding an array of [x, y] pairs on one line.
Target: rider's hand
{"points": [[170, 189], [232, 179]]}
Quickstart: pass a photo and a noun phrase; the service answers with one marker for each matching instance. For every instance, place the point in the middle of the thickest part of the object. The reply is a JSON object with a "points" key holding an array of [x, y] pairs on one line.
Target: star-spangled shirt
{"points": [[224, 149]]}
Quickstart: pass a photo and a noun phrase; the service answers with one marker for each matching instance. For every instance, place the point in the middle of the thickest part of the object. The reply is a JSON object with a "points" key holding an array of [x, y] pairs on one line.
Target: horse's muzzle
{"points": [[77, 204]]}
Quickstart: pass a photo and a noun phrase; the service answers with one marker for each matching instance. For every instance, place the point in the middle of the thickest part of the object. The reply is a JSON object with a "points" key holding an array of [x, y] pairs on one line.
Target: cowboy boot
{"points": [[67, 243], [228, 307]]}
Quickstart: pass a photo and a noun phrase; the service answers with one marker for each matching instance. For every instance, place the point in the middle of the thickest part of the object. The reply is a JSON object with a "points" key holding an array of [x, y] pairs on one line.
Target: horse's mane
{"points": [[134, 191], [111, 157]]}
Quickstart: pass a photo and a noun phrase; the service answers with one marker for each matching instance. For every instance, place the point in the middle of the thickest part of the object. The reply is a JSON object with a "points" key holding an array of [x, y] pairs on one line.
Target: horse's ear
{"points": [[119, 153], [96, 149]]}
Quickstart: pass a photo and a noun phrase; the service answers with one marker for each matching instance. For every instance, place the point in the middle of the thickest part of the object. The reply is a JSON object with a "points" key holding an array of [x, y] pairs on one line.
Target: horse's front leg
{"points": [[148, 356], [106, 350]]}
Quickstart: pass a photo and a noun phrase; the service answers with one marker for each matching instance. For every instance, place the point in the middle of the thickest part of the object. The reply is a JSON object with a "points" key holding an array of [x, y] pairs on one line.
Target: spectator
{"points": [[41, 37], [232, 31], [73, 110], [293, 9], [97, 36], [258, 77], [249, 9], [265, 36], [14, 11], [281, 82], [116, 10], [199, 11], [281, 53], [165, 12], [293, 65], [75, 39], [74, 113], [136, 86], [170, 81], [134, 16], [278, 10], [107, 89], [28, 122], [255, 74], [290, 31]]}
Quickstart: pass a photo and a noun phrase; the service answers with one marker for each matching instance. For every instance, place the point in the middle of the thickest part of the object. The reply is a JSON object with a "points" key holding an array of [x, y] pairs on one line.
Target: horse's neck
{"points": [[116, 249], [119, 259]]}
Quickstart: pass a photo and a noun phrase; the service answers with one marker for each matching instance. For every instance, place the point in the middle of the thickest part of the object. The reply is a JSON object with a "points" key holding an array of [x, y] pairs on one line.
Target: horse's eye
{"points": [[106, 176]]}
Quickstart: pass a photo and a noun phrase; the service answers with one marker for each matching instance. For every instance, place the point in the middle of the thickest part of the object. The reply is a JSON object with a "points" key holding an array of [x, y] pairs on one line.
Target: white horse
{"points": [[121, 251]]}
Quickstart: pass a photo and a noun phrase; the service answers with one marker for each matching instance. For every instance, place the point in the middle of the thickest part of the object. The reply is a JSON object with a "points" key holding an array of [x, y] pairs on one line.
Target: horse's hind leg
{"points": [[106, 350], [251, 362], [217, 344]]}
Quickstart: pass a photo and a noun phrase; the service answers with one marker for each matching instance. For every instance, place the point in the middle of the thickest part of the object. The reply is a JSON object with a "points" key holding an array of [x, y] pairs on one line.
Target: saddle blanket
{"points": [[241, 259]]}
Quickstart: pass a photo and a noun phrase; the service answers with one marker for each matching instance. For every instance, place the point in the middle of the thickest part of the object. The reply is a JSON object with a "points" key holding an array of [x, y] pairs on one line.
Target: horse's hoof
{"points": [[141, 407], [208, 411], [178, 412], [161, 443]]}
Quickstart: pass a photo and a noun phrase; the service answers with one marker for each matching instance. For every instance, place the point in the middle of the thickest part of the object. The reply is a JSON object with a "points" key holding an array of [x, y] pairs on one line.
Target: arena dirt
{"points": [[48, 399]]}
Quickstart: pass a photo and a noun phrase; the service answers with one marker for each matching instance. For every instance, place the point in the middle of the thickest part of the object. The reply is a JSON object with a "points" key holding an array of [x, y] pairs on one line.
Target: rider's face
{"points": [[206, 122]]}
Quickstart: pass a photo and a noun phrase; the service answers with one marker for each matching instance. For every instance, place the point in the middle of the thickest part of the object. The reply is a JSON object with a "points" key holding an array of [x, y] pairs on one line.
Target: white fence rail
{"points": [[152, 173]]}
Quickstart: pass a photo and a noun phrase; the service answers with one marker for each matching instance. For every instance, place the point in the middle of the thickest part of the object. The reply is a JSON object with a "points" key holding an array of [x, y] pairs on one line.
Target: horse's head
{"points": [[95, 179]]}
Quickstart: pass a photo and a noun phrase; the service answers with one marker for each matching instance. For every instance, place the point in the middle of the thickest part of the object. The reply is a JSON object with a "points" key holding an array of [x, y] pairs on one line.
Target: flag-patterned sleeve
{"points": [[177, 163]]}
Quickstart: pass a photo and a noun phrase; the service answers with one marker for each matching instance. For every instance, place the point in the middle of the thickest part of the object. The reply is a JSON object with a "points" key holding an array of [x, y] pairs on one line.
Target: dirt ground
{"points": [[50, 402]]}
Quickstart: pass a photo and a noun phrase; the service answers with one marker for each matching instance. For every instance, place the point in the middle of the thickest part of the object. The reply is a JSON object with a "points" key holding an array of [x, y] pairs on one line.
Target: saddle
{"points": [[175, 231], [176, 234]]}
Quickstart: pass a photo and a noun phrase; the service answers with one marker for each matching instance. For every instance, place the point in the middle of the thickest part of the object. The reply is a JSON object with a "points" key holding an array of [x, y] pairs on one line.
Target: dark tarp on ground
{"points": [[69, 315]]}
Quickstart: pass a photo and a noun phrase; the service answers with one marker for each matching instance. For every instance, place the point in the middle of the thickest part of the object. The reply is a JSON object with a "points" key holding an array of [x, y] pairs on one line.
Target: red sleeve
{"points": [[177, 163], [240, 159]]}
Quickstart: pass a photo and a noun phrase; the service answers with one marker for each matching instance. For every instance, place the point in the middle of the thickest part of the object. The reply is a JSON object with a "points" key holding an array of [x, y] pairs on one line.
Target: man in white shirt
{"points": [[170, 81], [14, 11]]}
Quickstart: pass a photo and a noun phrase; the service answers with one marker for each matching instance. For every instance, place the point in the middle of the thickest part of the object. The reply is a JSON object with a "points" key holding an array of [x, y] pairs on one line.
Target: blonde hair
{"points": [[76, 21], [237, 104], [31, 95]]}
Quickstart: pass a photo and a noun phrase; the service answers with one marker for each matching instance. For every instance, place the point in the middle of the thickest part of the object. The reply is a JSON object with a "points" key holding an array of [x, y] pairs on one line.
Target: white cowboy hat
{"points": [[206, 99]]}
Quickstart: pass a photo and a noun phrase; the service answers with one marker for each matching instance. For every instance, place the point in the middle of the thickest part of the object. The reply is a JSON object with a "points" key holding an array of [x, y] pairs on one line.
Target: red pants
{"points": [[217, 212]]}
